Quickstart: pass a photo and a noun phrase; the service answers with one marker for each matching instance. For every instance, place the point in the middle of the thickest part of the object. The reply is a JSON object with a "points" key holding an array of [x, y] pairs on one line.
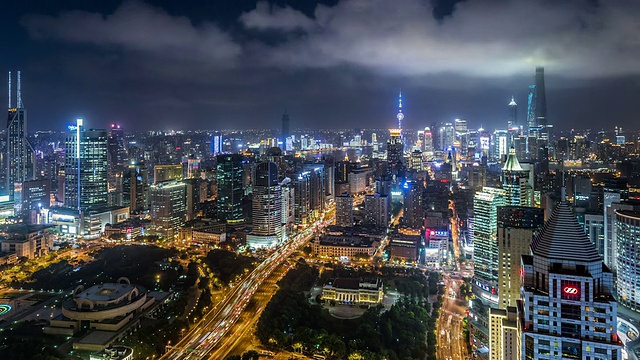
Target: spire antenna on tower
{"points": [[400, 115], [19, 93], [9, 90]]}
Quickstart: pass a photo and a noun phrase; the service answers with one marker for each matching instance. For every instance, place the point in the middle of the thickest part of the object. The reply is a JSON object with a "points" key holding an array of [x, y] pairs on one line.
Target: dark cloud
{"points": [[339, 65]]}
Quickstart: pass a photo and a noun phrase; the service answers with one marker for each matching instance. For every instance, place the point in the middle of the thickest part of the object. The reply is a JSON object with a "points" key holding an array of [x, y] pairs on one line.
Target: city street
{"points": [[216, 333], [451, 341]]}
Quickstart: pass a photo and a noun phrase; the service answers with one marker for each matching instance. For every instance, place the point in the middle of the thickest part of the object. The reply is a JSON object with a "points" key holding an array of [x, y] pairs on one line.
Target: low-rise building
{"points": [[24, 240], [403, 245], [343, 247], [354, 291]]}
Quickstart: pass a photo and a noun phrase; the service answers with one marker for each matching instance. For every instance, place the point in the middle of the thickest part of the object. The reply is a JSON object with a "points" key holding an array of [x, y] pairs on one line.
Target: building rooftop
{"points": [[337, 240], [106, 292], [512, 163], [563, 238]]}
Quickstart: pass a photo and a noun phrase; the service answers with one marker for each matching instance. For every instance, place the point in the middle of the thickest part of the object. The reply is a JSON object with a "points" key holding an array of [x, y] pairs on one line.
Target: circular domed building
{"points": [[108, 307]]}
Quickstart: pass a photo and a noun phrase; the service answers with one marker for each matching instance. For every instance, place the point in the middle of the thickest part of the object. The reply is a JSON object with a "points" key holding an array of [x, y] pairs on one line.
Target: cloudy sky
{"points": [[236, 64]]}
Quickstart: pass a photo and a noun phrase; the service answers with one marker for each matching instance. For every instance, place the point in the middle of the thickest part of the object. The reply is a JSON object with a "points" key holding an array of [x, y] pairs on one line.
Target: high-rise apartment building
{"points": [[485, 241], [376, 209], [413, 215], [567, 309], [628, 262], [229, 170], [344, 210], [86, 168]]}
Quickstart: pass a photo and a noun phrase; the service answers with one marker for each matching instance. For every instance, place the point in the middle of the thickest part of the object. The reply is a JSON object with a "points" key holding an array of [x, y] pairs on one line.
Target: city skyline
{"points": [[244, 64]]}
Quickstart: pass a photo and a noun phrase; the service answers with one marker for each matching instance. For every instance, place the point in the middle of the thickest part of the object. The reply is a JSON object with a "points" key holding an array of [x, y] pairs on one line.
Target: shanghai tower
{"points": [[541, 104]]}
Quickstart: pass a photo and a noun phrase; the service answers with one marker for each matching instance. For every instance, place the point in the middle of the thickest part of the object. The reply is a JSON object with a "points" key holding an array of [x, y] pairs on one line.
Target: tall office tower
{"points": [[413, 215], [117, 155], [517, 225], [317, 191], [485, 241], [376, 209], [19, 152], [427, 144], [515, 182], [541, 105], [266, 211], [342, 172], [302, 198], [330, 178], [532, 102], [504, 339], [395, 153], [134, 186], [168, 206], [286, 131], [628, 262], [229, 171], [167, 172], [461, 135], [400, 115], [344, 210], [217, 144], [446, 136], [498, 145], [513, 114], [567, 309], [86, 168]]}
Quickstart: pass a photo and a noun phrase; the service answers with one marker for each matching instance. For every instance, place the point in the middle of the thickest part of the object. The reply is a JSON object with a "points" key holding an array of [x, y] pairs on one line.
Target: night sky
{"points": [[234, 64]]}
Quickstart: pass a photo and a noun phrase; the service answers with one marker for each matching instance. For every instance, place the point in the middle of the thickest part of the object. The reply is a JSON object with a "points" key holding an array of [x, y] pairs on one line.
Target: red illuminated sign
{"points": [[571, 290]]}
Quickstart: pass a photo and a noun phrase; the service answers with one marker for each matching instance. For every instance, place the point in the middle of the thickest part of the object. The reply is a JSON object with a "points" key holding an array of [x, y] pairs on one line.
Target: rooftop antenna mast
{"points": [[563, 190], [9, 107], [19, 94]]}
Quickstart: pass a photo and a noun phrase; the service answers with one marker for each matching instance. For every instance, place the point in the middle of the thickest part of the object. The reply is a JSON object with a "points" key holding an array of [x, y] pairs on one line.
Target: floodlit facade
{"points": [[485, 240], [567, 309]]}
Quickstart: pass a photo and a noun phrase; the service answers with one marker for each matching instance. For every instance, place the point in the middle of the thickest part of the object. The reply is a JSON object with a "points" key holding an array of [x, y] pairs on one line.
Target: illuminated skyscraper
{"points": [[395, 153], [541, 105], [413, 215], [628, 262], [515, 182], [427, 143], [168, 206], [229, 171], [567, 309], [485, 241], [532, 102], [86, 168], [266, 211], [19, 152], [513, 114]]}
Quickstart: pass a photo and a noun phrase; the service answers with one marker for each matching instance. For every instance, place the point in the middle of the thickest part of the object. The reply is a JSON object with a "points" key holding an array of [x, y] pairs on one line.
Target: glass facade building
{"points": [[229, 170], [90, 190], [628, 264]]}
